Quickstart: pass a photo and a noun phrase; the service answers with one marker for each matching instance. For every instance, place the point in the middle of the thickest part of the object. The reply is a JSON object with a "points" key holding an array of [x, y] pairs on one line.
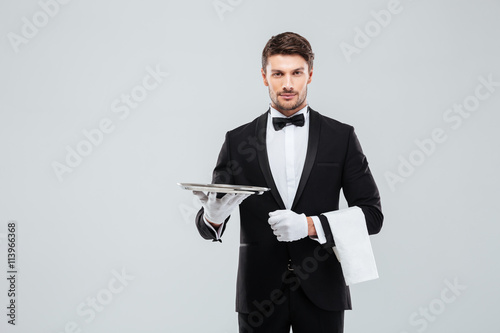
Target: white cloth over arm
{"points": [[352, 242]]}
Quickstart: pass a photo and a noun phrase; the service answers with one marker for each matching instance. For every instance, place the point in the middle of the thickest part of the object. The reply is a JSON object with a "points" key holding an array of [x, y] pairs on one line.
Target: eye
{"points": [[298, 73], [276, 74]]}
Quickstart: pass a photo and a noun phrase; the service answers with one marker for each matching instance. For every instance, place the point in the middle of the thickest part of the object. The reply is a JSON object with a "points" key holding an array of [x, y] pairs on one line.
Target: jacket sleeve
{"points": [[222, 174], [359, 188]]}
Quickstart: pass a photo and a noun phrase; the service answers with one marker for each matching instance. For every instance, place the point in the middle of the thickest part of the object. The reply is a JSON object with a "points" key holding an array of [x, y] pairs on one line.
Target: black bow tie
{"points": [[297, 120]]}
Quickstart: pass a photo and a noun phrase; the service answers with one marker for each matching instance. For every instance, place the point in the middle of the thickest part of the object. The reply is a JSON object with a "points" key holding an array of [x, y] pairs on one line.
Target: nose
{"points": [[287, 83]]}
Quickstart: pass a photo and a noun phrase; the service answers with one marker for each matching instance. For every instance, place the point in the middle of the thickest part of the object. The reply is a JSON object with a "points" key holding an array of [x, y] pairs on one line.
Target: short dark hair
{"points": [[288, 43]]}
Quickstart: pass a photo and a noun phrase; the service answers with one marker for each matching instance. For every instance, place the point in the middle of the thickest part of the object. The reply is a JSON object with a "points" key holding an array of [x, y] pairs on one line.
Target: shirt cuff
{"points": [[321, 238], [216, 232]]}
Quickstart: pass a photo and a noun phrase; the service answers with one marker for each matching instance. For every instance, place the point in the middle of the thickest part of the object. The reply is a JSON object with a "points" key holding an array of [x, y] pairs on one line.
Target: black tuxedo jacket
{"points": [[334, 161]]}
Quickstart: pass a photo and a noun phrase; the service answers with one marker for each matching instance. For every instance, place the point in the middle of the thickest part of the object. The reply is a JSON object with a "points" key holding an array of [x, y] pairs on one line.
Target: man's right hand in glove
{"points": [[216, 211]]}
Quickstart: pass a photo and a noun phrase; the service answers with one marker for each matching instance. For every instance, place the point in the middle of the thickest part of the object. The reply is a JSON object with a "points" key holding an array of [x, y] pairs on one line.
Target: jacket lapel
{"points": [[312, 149], [264, 160]]}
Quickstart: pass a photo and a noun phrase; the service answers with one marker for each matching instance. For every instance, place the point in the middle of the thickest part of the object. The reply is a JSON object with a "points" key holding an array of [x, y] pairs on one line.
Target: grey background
{"points": [[121, 208]]}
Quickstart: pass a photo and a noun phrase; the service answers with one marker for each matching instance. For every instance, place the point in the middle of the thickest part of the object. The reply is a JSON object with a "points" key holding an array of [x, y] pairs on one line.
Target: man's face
{"points": [[287, 77]]}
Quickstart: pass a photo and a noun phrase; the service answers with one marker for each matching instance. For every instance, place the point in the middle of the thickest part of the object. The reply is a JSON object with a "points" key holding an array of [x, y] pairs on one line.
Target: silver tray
{"points": [[224, 188]]}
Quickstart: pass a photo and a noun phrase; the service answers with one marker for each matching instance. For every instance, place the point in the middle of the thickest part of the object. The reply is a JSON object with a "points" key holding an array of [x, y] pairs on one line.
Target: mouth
{"points": [[287, 96]]}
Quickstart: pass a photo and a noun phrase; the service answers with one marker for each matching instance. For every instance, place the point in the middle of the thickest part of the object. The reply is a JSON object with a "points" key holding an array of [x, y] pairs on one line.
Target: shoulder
{"points": [[248, 129], [331, 124]]}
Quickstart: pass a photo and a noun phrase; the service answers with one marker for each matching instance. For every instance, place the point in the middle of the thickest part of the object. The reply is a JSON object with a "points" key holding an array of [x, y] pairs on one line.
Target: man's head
{"points": [[287, 67]]}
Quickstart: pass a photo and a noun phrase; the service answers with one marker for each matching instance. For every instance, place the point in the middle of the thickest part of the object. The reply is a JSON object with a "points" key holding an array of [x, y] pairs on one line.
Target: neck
{"points": [[289, 113]]}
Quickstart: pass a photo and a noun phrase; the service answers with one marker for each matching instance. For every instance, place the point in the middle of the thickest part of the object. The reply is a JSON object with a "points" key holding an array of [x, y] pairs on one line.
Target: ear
{"points": [[310, 76], [264, 78]]}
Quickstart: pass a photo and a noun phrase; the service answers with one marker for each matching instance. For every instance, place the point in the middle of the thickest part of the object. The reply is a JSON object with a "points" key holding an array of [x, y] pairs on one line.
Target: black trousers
{"points": [[294, 309]]}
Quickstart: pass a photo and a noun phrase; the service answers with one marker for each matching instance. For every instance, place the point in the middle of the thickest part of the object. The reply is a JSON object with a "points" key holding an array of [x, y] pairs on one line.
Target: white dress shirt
{"points": [[286, 151]]}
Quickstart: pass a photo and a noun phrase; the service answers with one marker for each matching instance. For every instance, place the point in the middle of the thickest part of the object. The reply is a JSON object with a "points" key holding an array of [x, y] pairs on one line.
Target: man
{"points": [[287, 275]]}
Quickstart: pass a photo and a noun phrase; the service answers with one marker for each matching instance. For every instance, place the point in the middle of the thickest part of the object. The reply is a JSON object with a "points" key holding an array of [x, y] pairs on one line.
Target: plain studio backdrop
{"points": [[106, 105]]}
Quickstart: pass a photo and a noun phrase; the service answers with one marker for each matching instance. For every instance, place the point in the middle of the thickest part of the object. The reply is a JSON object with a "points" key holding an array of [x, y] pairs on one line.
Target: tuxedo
{"points": [[334, 161]]}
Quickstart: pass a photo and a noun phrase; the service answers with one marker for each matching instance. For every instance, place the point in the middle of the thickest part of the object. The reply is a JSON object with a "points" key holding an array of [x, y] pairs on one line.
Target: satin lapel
{"points": [[264, 160], [312, 149]]}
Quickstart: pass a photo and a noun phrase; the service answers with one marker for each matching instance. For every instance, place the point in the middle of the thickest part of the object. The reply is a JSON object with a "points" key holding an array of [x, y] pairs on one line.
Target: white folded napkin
{"points": [[353, 247]]}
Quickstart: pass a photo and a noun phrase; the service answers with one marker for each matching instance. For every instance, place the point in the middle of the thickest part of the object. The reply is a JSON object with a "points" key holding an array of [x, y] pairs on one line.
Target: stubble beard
{"points": [[275, 100]]}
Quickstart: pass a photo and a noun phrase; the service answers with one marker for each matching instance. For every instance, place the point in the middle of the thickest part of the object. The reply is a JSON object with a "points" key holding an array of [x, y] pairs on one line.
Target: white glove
{"points": [[218, 210], [288, 226]]}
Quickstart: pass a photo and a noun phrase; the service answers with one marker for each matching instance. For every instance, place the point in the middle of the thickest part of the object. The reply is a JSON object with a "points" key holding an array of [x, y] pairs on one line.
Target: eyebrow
{"points": [[296, 69]]}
